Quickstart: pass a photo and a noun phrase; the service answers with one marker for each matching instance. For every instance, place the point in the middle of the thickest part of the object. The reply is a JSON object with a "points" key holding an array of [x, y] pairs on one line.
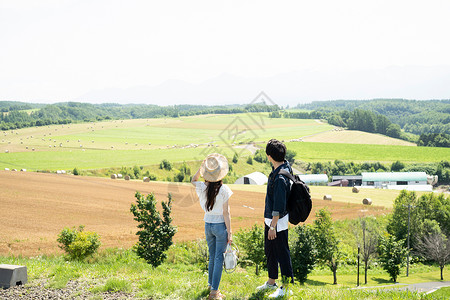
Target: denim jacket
{"points": [[278, 188]]}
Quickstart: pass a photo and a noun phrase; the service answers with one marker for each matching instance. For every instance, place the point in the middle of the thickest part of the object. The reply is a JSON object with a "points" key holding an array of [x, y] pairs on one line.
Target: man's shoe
{"points": [[266, 286], [280, 292]]}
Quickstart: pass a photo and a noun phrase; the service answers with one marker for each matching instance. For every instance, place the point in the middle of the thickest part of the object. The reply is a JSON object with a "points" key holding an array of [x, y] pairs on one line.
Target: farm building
{"points": [[353, 180], [413, 181], [314, 179], [257, 178]]}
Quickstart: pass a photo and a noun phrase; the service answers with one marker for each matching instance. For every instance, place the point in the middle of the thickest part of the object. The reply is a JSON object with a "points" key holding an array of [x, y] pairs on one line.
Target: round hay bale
{"points": [[23, 170], [6, 151], [32, 149], [127, 177], [6, 169], [355, 189], [367, 201], [58, 172], [146, 179], [14, 170], [119, 175], [327, 197], [113, 176]]}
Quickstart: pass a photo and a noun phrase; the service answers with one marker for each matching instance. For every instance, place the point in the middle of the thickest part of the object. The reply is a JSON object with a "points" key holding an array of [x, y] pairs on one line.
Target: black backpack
{"points": [[299, 202]]}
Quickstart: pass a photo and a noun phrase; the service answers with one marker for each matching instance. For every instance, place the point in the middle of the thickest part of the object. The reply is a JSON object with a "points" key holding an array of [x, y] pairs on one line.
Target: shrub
{"points": [[166, 165], [75, 171], [391, 255], [251, 244], [250, 160], [303, 252], [235, 158], [156, 232], [78, 243]]}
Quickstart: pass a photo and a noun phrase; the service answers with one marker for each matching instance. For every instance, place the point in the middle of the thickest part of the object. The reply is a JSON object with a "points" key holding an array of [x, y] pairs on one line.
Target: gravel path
{"points": [[73, 290]]}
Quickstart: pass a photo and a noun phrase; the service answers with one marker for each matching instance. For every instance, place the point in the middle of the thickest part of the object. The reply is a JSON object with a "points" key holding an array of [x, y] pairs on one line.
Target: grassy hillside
{"points": [[145, 142]]}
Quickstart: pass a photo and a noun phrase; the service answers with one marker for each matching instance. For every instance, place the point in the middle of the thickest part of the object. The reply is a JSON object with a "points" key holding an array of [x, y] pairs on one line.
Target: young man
{"points": [[276, 221]]}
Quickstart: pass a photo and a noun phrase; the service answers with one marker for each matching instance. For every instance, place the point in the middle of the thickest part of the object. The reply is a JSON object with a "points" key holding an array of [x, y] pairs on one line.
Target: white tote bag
{"points": [[230, 257]]}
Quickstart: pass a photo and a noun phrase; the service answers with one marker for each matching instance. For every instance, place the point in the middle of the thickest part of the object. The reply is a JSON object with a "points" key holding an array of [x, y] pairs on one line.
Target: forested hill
{"points": [[14, 115], [430, 116]]}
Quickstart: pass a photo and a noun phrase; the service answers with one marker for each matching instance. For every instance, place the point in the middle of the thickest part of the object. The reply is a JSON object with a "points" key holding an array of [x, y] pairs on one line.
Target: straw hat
{"points": [[214, 168]]}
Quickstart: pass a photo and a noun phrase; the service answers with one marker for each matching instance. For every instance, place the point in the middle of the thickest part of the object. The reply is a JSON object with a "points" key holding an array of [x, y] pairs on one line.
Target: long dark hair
{"points": [[212, 190]]}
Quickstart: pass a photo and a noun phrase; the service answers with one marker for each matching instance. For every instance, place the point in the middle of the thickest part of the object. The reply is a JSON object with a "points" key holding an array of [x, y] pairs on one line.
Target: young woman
{"points": [[214, 196]]}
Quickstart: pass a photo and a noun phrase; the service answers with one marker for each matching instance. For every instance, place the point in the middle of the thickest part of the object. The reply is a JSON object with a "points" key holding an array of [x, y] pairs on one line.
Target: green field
{"points": [[367, 153], [148, 141]]}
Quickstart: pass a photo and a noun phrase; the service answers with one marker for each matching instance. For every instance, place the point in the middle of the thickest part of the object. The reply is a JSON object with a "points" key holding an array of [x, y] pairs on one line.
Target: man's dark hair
{"points": [[276, 149]]}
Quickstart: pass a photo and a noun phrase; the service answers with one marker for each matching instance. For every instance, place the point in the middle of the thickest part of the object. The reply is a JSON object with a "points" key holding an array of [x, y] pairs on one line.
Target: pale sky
{"points": [[58, 50]]}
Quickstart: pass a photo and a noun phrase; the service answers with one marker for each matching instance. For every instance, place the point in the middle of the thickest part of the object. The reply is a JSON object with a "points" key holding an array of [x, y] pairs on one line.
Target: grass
{"points": [[367, 153], [148, 141], [114, 270]]}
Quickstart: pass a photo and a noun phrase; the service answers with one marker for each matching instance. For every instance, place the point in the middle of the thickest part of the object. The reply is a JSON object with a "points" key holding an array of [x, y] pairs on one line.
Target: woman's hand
{"points": [[230, 238]]}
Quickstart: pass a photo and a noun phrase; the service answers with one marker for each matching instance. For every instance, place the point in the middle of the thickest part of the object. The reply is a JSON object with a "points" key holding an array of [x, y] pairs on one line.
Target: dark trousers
{"points": [[277, 252]]}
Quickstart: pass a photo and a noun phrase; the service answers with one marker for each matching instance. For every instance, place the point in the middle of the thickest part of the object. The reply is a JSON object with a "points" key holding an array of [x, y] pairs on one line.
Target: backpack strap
{"points": [[287, 174]]}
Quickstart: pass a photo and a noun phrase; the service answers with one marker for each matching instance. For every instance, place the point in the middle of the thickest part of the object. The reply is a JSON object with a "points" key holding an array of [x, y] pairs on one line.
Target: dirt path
{"points": [[34, 207]]}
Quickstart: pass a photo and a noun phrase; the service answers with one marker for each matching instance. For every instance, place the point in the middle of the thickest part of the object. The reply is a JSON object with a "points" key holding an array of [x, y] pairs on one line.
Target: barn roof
{"points": [[308, 178], [258, 177], [394, 176]]}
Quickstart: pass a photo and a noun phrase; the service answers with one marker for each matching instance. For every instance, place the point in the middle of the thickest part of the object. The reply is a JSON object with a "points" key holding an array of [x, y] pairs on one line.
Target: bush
{"points": [[166, 165], [75, 171], [250, 160], [251, 244], [78, 243], [156, 232], [235, 158], [391, 255], [303, 252]]}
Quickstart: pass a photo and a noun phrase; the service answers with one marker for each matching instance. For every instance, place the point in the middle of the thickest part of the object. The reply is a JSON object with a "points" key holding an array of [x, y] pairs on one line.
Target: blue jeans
{"points": [[216, 238]]}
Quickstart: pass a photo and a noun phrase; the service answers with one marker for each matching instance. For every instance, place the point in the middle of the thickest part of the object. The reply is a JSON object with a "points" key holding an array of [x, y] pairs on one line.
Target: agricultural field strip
{"points": [[40, 205]]}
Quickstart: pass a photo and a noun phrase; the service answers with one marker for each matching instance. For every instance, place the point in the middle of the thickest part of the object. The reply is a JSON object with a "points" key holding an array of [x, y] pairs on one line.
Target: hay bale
{"points": [[58, 172], [127, 177], [63, 172], [367, 201], [146, 179], [327, 197], [23, 170], [119, 175], [32, 149], [113, 176], [355, 189], [14, 170], [6, 169], [6, 151]]}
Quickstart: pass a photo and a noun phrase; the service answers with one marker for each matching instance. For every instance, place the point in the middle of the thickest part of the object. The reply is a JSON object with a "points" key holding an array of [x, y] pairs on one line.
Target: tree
{"points": [[156, 232], [435, 247], [397, 166], [235, 158], [290, 156], [303, 252], [391, 255], [252, 243], [367, 237], [250, 160], [326, 241]]}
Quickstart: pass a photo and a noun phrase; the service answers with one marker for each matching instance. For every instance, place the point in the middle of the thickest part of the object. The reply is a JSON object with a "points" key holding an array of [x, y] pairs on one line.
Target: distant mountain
{"points": [[292, 88]]}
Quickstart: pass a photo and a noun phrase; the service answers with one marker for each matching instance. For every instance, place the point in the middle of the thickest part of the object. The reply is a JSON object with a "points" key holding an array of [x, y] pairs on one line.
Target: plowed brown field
{"points": [[34, 207]]}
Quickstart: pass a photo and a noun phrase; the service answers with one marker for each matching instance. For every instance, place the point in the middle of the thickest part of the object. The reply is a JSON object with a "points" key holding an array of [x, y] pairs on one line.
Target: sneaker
{"points": [[280, 292], [267, 286]]}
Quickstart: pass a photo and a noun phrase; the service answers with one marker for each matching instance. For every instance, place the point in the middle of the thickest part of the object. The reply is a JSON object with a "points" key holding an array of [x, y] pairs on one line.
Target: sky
{"points": [[65, 50]]}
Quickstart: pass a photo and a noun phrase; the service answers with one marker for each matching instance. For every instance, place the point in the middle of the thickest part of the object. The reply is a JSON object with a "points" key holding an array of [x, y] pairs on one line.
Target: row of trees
{"points": [[320, 243], [417, 117], [63, 113], [434, 140]]}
